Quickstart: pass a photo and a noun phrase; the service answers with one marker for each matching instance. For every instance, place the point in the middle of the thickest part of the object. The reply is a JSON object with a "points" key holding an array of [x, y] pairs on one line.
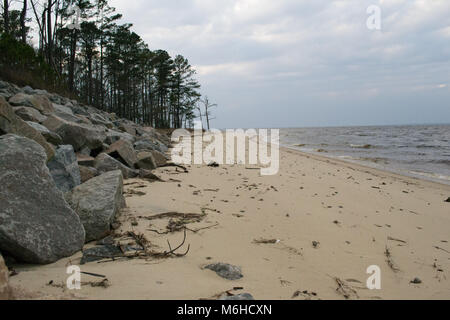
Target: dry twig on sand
{"points": [[389, 260], [345, 290], [265, 241], [171, 164], [147, 253]]}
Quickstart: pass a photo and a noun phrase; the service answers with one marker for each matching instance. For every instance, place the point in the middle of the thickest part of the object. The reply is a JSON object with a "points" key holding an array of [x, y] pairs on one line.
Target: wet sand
{"points": [[330, 220]]}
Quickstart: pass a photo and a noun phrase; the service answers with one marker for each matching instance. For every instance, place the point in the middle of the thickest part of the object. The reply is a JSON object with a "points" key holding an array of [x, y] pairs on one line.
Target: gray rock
{"points": [[71, 118], [160, 159], [96, 118], [6, 94], [98, 203], [84, 160], [123, 151], [4, 85], [51, 137], [128, 128], [38, 102], [79, 110], [76, 134], [106, 163], [38, 127], [29, 114], [11, 123], [87, 173], [148, 175], [146, 161], [145, 145], [113, 136], [64, 168], [5, 290], [226, 270], [28, 90], [58, 99], [238, 297], [109, 240], [36, 224], [106, 251], [63, 109]]}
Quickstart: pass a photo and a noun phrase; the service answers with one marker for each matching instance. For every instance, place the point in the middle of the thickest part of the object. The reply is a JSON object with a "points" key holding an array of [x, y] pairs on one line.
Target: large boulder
{"points": [[51, 137], [160, 159], [145, 145], [97, 118], [76, 134], [123, 151], [149, 143], [146, 161], [29, 114], [127, 127], [114, 136], [105, 163], [64, 168], [36, 224], [87, 173], [5, 292], [85, 160], [98, 203], [10, 123], [38, 102], [62, 109]]}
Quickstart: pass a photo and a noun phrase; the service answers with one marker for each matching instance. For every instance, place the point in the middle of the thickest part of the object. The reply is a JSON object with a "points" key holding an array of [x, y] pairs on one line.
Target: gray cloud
{"points": [[299, 63]]}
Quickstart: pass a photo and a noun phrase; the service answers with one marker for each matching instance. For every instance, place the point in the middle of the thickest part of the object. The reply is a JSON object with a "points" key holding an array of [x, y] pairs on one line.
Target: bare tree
{"points": [[208, 106], [200, 114]]}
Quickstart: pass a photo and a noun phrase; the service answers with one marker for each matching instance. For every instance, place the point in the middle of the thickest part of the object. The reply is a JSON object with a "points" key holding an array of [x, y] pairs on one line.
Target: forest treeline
{"points": [[83, 49]]}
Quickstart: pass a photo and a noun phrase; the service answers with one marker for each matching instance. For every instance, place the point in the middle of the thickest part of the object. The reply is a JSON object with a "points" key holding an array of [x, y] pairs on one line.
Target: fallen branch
{"points": [[171, 164], [93, 274], [174, 215], [398, 240], [204, 228]]}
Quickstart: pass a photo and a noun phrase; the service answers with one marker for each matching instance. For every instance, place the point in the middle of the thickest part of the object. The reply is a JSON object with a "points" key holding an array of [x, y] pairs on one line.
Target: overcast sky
{"points": [[295, 63]]}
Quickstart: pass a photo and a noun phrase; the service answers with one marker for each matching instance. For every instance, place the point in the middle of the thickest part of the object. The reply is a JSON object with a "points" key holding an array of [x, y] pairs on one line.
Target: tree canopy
{"points": [[82, 48]]}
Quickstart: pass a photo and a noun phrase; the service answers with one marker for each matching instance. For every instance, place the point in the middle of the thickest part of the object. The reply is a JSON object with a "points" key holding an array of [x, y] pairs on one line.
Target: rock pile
{"points": [[62, 166]]}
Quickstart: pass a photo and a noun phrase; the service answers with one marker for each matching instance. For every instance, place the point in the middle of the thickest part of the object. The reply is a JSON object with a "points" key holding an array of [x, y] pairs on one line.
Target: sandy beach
{"points": [[309, 232]]}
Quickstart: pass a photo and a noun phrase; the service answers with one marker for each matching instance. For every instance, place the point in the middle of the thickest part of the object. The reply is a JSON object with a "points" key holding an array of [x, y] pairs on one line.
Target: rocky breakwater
{"points": [[62, 166]]}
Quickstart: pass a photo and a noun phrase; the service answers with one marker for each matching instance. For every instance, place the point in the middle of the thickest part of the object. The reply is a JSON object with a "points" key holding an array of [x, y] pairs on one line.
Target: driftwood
{"points": [[173, 215], [266, 241], [171, 164]]}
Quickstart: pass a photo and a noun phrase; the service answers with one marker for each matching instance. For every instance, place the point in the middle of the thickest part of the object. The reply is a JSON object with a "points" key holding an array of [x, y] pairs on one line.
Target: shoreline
{"points": [[315, 227], [364, 166]]}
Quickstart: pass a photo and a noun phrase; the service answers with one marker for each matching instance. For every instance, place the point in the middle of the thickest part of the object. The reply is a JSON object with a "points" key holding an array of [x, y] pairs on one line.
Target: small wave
{"points": [[431, 175]]}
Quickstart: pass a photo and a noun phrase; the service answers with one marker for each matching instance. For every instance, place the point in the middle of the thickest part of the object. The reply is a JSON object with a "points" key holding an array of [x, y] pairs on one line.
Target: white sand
{"points": [[351, 210]]}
